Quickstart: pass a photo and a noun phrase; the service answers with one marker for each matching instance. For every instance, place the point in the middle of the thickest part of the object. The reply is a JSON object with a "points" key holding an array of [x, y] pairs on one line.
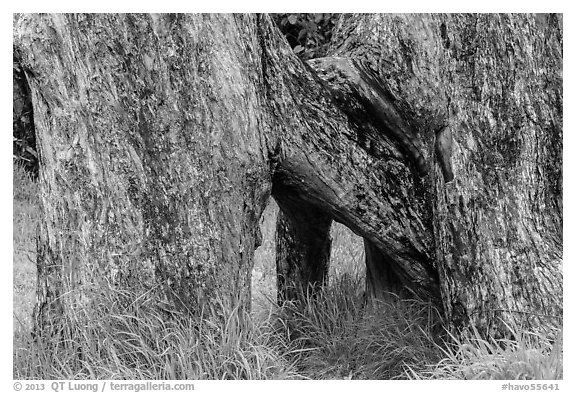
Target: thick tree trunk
{"points": [[330, 161], [154, 165], [435, 137], [484, 96]]}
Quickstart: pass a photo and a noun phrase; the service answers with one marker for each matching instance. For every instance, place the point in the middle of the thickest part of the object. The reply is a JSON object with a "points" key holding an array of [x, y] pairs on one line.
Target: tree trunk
{"points": [[483, 94], [153, 149], [435, 137]]}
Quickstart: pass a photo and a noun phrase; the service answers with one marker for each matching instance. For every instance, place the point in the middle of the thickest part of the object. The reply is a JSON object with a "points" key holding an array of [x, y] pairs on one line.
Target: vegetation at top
{"points": [[308, 34]]}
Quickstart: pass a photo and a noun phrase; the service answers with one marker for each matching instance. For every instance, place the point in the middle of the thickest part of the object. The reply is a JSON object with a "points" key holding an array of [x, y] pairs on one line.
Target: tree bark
{"points": [[154, 168], [322, 158], [435, 137], [484, 96]]}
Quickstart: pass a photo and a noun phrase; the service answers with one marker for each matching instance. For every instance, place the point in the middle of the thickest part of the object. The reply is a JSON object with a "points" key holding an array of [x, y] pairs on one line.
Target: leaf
{"points": [[298, 49], [311, 26], [293, 19]]}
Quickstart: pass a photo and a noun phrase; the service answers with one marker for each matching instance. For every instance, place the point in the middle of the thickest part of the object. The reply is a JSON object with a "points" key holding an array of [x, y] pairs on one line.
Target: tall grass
{"points": [[339, 336], [125, 335], [331, 334], [529, 356]]}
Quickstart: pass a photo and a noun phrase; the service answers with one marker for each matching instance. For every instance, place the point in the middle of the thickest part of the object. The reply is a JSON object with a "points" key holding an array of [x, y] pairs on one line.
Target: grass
{"points": [[339, 337], [529, 356], [333, 335], [127, 336]]}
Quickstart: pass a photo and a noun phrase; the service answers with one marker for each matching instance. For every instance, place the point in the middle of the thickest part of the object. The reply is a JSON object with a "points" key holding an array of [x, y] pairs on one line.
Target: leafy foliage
{"points": [[308, 34]]}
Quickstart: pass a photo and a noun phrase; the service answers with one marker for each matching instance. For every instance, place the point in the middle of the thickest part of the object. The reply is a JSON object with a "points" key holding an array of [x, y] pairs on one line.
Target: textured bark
{"points": [[325, 159], [438, 138], [484, 95], [138, 120]]}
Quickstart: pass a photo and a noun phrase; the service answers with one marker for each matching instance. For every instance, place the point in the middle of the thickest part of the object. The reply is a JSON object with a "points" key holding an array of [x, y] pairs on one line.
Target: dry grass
{"points": [[332, 335]]}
